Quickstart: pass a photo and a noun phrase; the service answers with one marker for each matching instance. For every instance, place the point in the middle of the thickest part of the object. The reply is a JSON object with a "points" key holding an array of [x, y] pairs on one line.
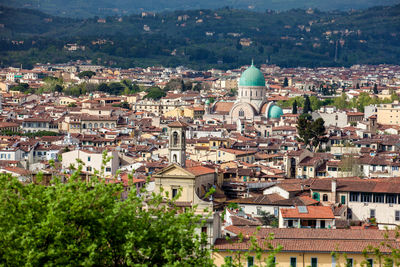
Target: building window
{"points": [[241, 113], [259, 211], [89, 169], [366, 197], [88, 158], [204, 229], [354, 197], [343, 200], [175, 139], [391, 199], [379, 198], [349, 262], [174, 158], [174, 192], [276, 212], [108, 169], [324, 197], [370, 263], [293, 262], [397, 215], [250, 261], [314, 262], [372, 213]]}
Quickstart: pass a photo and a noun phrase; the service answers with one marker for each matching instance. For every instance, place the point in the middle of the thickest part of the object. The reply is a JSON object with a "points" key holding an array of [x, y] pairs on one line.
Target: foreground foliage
{"points": [[74, 223]]}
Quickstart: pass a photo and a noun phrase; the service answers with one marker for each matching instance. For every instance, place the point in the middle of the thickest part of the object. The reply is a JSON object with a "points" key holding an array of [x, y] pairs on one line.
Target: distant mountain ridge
{"points": [[90, 8]]}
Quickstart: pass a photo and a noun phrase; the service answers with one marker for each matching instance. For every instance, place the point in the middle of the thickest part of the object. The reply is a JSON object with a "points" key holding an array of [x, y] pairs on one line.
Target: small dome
{"points": [[252, 77], [208, 102], [274, 112]]}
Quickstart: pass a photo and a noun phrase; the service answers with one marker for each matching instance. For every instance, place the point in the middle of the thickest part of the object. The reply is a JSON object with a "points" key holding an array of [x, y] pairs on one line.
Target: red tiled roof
{"points": [[313, 212], [199, 170], [311, 240]]}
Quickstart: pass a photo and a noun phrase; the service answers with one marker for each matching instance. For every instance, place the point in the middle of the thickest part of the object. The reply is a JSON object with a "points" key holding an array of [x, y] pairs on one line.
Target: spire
{"points": [[252, 62]]}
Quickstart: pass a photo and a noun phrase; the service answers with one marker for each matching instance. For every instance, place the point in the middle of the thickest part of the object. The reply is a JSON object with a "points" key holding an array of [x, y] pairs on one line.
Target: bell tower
{"points": [[177, 142]]}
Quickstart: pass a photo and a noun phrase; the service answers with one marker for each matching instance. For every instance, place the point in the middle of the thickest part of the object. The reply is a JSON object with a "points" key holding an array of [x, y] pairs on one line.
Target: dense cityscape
{"points": [[187, 133], [309, 154]]}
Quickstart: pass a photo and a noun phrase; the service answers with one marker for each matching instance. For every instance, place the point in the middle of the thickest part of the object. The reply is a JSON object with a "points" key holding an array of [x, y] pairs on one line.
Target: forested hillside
{"points": [[224, 38], [90, 8]]}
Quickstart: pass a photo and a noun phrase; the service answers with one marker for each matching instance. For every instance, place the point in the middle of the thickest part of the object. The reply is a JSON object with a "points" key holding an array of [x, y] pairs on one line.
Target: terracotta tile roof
{"points": [[237, 152], [311, 240], [261, 199], [240, 221], [177, 123], [223, 107], [388, 185], [199, 170], [313, 212]]}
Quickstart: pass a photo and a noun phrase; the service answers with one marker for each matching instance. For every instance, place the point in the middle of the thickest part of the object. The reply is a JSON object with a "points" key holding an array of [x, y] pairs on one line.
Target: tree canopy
{"points": [[76, 223], [310, 132], [155, 93]]}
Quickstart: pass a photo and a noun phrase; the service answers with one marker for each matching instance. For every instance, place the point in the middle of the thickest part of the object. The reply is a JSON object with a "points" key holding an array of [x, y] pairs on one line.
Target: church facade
{"points": [[188, 185]]}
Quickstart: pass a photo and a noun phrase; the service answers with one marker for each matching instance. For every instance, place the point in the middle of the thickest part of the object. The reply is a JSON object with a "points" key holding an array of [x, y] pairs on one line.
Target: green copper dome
{"points": [[208, 102], [275, 112], [252, 77]]}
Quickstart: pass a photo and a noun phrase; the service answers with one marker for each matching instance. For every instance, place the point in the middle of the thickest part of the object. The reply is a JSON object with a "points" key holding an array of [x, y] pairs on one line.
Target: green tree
{"points": [[155, 93], [22, 87], [311, 133], [307, 105], [294, 107], [86, 74], [285, 82], [375, 90], [268, 219], [341, 102], [94, 224]]}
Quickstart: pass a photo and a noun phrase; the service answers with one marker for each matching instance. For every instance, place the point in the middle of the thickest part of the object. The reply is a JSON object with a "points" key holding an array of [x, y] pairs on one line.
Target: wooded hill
{"points": [[205, 38]]}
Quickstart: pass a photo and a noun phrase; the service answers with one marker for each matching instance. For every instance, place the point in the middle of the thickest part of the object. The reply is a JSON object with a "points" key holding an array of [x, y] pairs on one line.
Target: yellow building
{"points": [[304, 247], [389, 114], [227, 154], [65, 100], [188, 112]]}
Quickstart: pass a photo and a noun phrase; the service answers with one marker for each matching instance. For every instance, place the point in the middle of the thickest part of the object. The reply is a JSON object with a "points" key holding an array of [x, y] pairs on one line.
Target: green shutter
{"points": [[316, 196]]}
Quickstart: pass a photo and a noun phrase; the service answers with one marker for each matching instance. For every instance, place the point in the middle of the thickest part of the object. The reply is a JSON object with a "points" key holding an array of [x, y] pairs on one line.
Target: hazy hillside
{"points": [[224, 38], [89, 8]]}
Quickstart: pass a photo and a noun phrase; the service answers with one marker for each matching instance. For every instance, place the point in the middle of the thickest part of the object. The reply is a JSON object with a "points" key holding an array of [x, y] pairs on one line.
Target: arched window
{"points": [[96, 125], [101, 125], [241, 113], [90, 125], [324, 197], [84, 126], [107, 124], [174, 158], [251, 93], [175, 139], [112, 125]]}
